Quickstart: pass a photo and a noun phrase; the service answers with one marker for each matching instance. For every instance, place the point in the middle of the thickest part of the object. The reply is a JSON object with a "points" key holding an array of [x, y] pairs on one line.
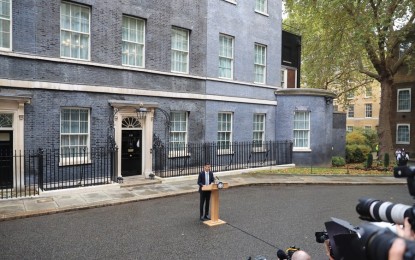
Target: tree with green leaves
{"points": [[346, 44]]}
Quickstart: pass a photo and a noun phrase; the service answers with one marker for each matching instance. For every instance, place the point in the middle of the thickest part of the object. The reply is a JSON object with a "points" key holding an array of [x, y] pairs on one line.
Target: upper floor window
{"points": [[350, 111], [178, 131], [224, 131], [368, 110], [74, 135], [133, 31], [350, 95], [75, 31], [404, 100], [226, 56], [403, 133], [368, 92], [259, 130], [5, 24], [302, 129], [180, 50], [261, 6], [260, 63]]}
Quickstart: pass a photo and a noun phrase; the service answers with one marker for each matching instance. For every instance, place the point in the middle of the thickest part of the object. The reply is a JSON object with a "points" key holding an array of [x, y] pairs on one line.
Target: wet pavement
{"points": [[137, 189]]}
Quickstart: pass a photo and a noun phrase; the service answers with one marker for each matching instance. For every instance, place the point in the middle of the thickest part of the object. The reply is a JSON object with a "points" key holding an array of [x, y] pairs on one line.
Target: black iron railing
{"points": [[172, 161], [25, 173]]}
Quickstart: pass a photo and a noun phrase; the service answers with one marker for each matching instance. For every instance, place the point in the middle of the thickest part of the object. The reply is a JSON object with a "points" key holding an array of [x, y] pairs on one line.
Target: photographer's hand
{"points": [[328, 250], [397, 249], [405, 231]]}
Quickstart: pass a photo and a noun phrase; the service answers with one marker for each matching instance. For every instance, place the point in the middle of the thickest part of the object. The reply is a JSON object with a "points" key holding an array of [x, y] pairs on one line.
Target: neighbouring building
{"points": [[401, 111], [362, 107]]}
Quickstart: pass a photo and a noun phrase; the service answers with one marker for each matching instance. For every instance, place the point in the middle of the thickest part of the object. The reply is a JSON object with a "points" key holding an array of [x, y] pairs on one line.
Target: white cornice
{"points": [[25, 84]]}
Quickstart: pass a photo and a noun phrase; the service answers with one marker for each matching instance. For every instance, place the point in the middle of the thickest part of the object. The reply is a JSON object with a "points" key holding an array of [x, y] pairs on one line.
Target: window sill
{"points": [[259, 150], [73, 162], [225, 152], [230, 1], [178, 154], [302, 150], [403, 111], [261, 13]]}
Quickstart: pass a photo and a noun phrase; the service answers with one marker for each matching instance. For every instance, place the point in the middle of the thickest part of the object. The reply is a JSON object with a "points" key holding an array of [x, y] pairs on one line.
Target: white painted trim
{"points": [[128, 91]]}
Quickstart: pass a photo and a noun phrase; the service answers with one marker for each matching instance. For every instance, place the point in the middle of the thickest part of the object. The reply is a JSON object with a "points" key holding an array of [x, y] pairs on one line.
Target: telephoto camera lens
{"points": [[376, 243], [377, 210]]}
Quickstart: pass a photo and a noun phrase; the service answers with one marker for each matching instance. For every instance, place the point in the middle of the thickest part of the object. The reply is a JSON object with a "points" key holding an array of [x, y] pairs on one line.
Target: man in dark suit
{"points": [[205, 178]]}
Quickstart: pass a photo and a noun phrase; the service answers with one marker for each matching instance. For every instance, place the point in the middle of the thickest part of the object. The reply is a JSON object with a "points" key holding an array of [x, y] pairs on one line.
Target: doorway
{"points": [[131, 152], [6, 159]]}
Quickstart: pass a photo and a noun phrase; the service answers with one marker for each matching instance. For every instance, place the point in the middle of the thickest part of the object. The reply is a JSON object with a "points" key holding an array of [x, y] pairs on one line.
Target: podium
{"points": [[214, 203]]}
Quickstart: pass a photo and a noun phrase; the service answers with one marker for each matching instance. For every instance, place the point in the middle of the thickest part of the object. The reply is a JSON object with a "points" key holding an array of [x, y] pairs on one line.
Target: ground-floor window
{"points": [[302, 129], [224, 131], [178, 131], [74, 133], [402, 133]]}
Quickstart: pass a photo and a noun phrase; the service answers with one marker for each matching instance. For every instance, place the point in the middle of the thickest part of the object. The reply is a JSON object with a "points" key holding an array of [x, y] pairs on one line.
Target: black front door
{"points": [[6, 159], [131, 155]]}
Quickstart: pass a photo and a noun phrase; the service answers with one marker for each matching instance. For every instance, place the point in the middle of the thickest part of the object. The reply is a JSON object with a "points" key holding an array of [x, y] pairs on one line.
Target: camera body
{"points": [[287, 254], [369, 240]]}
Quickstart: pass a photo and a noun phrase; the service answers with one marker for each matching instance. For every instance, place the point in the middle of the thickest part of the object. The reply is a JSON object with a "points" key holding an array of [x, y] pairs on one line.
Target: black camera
{"points": [[321, 236], [365, 242], [287, 254], [368, 240]]}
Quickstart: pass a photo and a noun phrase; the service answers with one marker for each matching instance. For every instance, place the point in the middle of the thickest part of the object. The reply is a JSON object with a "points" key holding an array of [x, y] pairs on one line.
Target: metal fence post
{"points": [[40, 168]]}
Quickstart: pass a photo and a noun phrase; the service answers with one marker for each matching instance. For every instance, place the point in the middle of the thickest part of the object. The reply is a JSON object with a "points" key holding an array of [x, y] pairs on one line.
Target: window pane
{"points": [[225, 56], [260, 63], [178, 131], [5, 24], [74, 31], [301, 129], [180, 50], [74, 131], [404, 101]]}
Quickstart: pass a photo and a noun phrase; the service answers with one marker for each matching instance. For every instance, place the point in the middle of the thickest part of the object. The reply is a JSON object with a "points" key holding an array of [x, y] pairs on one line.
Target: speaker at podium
{"points": [[214, 202]]}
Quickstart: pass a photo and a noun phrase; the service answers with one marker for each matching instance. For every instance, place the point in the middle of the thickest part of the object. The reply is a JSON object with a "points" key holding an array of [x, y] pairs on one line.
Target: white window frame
{"points": [[350, 95], [133, 42], [368, 92], [261, 6], [225, 126], [349, 129], [400, 141], [225, 55], [258, 135], [5, 33], [180, 52], [350, 112], [260, 63], [399, 101], [368, 110], [71, 160], [65, 43], [301, 129], [179, 121]]}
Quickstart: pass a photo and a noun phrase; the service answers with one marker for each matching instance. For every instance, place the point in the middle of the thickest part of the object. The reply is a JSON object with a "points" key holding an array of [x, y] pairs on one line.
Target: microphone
{"points": [[281, 254]]}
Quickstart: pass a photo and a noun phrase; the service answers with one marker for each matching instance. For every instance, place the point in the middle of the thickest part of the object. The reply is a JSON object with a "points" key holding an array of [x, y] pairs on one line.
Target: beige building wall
{"points": [[359, 105]]}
